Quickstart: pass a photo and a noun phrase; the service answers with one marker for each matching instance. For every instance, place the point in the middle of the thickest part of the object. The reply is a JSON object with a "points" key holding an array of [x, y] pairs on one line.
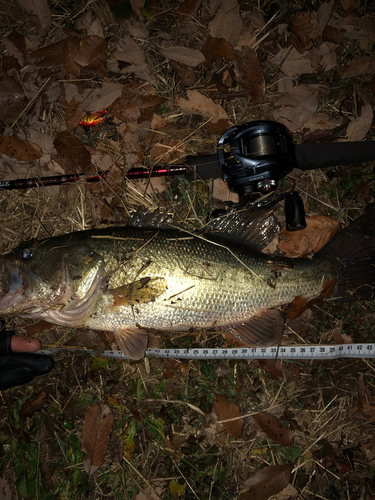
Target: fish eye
{"points": [[26, 254]]}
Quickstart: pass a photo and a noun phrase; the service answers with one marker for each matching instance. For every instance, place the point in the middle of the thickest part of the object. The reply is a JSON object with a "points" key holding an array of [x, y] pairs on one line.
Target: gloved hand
{"points": [[18, 364]]}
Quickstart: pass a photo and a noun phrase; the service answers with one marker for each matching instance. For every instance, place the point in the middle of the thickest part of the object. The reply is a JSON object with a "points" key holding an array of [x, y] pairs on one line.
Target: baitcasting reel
{"points": [[253, 158]]}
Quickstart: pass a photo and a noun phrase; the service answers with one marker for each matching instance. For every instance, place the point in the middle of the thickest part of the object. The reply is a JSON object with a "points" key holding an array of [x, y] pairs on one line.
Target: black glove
{"points": [[17, 368]]}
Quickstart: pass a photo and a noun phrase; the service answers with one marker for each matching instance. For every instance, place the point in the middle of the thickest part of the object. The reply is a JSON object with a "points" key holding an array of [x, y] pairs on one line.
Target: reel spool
{"points": [[255, 156]]}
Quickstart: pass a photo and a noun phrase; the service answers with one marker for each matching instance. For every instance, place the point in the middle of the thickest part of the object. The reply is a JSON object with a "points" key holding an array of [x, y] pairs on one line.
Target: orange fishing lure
{"points": [[93, 119]]}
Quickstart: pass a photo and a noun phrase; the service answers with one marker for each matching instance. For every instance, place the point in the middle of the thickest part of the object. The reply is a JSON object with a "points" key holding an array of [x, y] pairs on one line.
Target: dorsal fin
{"points": [[145, 218], [255, 227]]}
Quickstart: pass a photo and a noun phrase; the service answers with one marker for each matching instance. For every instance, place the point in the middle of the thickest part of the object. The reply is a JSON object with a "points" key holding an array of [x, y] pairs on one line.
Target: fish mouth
{"points": [[11, 286]]}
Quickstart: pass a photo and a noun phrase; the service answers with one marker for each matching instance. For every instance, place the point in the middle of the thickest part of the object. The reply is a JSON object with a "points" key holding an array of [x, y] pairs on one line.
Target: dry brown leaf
{"points": [[32, 404], [332, 34], [226, 410], [38, 8], [256, 19], [305, 31], [227, 23], [322, 122], [278, 370], [16, 47], [148, 494], [72, 154], [37, 328], [327, 51], [214, 5], [267, 482], [287, 493], [284, 83], [296, 106], [5, 490], [323, 14], [366, 402], [183, 55], [341, 338], [222, 192], [217, 128], [215, 48], [247, 38], [293, 63], [369, 448], [347, 4], [138, 30], [366, 43], [197, 103], [213, 432], [139, 107], [95, 437], [167, 150], [17, 148], [359, 66], [137, 7], [188, 9], [92, 53], [43, 140], [185, 77], [132, 54], [12, 98], [318, 231], [51, 55], [175, 367], [73, 114], [102, 97], [249, 74], [270, 425], [92, 26], [127, 108], [364, 394], [358, 128], [12, 170], [60, 53]]}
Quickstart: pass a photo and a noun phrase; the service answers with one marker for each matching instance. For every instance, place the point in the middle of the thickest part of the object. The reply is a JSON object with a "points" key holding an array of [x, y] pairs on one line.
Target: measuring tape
{"points": [[308, 352]]}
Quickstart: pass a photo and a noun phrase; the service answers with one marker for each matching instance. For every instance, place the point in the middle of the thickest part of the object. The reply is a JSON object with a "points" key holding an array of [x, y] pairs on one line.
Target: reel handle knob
{"points": [[294, 212]]}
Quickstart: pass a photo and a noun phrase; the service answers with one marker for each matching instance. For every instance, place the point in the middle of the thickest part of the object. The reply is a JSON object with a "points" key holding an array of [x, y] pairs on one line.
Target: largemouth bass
{"points": [[130, 280]]}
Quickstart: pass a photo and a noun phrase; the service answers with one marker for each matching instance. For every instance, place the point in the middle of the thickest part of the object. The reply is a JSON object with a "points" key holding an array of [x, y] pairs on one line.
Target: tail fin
{"points": [[352, 254]]}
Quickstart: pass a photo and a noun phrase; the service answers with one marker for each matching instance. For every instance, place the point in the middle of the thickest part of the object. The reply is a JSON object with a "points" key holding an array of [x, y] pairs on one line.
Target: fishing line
{"points": [[299, 352]]}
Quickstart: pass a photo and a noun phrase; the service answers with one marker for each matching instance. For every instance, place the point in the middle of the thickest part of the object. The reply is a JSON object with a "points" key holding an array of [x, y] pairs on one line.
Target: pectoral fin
{"points": [[141, 291], [132, 342], [262, 330]]}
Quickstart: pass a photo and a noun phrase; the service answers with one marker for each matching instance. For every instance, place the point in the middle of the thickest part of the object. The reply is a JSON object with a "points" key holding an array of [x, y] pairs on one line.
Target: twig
{"points": [[174, 401], [31, 102], [142, 477]]}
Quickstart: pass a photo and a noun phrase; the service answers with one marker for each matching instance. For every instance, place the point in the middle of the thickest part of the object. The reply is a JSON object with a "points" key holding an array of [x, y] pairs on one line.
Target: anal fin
{"points": [[262, 330], [132, 341]]}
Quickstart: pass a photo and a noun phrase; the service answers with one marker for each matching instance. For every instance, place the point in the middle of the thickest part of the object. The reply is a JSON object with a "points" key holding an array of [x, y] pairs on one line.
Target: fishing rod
{"points": [[252, 158]]}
